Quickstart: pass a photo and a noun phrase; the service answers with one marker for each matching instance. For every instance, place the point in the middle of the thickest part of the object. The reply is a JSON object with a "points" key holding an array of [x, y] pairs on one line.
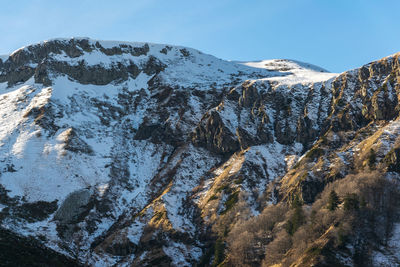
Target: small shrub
{"points": [[231, 201], [324, 140], [341, 102], [315, 153], [213, 197], [239, 180], [222, 188]]}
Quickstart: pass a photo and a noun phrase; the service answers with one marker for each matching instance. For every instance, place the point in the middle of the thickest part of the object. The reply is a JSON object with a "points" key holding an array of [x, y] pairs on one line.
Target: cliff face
{"points": [[143, 154], [362, 115]]}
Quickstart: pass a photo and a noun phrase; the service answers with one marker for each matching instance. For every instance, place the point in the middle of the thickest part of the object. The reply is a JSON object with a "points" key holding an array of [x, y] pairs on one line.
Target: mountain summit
{"points": [[139, 154]]}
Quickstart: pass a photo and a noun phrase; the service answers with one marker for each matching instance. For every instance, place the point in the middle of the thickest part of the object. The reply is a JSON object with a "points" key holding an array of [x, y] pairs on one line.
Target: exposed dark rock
{"points": [[222, 119], [153, 66], [75, 144], [250, 96], [166, 49], [140, 51], [118, 244], [305, 131], [283, 132], [42, 75], [163, 94], [158, 133], [384, 104], [16, 70], [19, 75], [145, 131], [233, 95], [9, 202], [245, 139], [121, 249], [310, 188], [36, 53], [21, 251], [73, 207], [214, 135], [97, 75], [45, 117], [392, 160], [36, 211], [184, 52], [107, 111], [109, 51]]}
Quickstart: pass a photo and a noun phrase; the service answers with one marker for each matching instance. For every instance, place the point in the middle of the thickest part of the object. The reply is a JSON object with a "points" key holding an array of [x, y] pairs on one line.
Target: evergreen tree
{"points": [[297, 218], [219, 254], [296, 202], [372, 159], [333, 201], [351, 202]]}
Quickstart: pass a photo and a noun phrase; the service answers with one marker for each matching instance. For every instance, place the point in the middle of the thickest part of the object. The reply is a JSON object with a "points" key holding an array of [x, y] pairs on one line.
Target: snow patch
{"points": [[179, 253], [390, 254]]}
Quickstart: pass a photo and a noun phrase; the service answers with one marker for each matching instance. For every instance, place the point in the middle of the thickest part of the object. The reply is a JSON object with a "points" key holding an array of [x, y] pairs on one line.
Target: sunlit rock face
{"points": [[128, 154]]}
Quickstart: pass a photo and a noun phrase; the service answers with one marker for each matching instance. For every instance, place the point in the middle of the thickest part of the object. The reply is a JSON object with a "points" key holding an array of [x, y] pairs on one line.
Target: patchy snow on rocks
{"points": [[179, 253], [296, 72], [389, 255], [125, 138]]}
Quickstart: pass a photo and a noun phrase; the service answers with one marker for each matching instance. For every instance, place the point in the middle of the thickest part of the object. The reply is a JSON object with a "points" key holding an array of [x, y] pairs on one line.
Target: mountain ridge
{"points": [[141, 154]]}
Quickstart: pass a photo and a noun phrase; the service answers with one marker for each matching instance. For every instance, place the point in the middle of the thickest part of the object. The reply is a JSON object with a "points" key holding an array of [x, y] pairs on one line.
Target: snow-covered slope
{"points": [[298, 72], [97, 132], [122, 153]]}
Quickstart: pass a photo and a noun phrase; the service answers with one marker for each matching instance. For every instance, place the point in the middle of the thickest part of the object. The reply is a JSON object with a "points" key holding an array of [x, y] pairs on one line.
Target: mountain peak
{"points": [[141, 154]]}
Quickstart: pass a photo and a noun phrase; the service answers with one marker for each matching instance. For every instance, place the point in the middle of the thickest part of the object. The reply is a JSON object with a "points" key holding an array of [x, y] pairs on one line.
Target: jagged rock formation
{"points": [[134, 154]]}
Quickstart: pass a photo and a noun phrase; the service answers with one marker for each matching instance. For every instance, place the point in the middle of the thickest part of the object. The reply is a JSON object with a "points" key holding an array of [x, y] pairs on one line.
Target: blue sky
{"points": [[335, 34]]}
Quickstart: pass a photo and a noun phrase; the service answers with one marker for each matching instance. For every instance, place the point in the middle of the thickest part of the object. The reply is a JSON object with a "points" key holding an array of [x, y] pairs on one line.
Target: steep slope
{"points": [[338, 204], [117, 153], [21, 251]]}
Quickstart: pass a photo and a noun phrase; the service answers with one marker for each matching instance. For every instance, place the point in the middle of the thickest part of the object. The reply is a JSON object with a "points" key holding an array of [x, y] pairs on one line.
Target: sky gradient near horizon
{"points": [[336, 35]]}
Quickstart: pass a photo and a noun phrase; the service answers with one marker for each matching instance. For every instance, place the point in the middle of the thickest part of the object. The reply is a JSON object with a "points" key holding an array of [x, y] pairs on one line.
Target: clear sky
{"points": [[335, 34]]}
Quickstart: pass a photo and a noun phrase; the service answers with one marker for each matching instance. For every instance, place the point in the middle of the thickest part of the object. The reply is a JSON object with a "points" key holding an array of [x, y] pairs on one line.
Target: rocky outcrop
{"points": [[365, 95], [214, 135], [36, 211], [135, 160], [260, 114], [75, 144], [36, 61], [362, 99], [73, 207], [97, 75], [17, 250], [124, 49]]}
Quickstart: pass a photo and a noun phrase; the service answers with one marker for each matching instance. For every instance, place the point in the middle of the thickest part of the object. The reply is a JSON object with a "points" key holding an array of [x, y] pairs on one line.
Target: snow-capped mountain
{"points": [[130, 154]]}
